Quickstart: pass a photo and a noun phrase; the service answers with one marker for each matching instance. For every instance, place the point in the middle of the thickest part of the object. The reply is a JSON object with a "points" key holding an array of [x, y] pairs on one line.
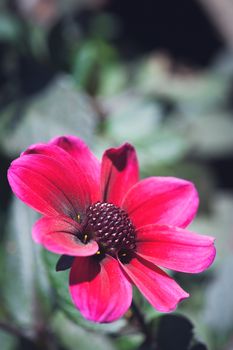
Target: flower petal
{"points": [[156, 286], [58, 234], [119, 173], [99, 289], [48, 179], [81, 153], [161, 200], [175, 248]]}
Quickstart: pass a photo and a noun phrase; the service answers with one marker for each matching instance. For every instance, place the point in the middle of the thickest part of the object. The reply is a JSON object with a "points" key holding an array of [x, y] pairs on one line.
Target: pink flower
{"points": [[119, 230]]}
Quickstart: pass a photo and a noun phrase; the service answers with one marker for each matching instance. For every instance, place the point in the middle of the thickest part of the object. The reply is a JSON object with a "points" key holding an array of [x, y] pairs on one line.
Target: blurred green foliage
{"points": [[60, 75]]}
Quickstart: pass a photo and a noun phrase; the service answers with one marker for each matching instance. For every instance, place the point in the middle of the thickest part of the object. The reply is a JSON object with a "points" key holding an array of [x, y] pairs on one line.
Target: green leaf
{"points": [[19, 264], [9, 28], [218, 294], [7, 341], [218, 299], [113, 80], [89, 61], [25, 290], [210, 135], [213, 312], [218, 223], [60, 109], [130, 342], [132, 118], [72, 336], [139, 121], [204, 89]]}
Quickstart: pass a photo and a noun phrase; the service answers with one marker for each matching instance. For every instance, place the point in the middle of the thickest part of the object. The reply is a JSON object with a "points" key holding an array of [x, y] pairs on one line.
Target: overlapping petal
{"points": [[175, 248], [99, 289], [156, 286], [48, 179], [58, 234], [81, 153], [161, 200], [119, 173]]}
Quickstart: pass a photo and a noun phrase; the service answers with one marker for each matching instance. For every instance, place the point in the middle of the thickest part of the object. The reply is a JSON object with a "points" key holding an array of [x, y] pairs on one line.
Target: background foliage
{"points": [[65, 68]]}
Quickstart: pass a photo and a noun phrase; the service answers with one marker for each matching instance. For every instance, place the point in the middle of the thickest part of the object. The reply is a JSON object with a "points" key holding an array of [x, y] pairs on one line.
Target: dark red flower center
{"points": [[111, 227]]}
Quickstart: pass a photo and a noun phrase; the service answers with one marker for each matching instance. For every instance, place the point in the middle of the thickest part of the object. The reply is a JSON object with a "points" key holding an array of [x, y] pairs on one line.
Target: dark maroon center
{"points": [[111, 227]]}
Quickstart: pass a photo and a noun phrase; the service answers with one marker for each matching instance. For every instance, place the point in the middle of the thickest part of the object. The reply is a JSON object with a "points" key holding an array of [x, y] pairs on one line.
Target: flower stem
{"points": [[11, 329], [141, 320]]}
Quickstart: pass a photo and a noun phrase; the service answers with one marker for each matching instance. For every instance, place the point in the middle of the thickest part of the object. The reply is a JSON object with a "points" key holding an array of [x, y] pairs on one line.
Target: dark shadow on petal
{"points": [[84, 269], [119, 157]]}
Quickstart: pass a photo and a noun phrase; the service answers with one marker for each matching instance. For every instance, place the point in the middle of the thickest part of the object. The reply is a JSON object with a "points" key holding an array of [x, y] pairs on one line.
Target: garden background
{"points": [[158, 74]]}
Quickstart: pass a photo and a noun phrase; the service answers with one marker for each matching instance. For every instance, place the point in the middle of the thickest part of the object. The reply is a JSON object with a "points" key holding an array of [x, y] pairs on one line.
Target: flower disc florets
{"points": [[111, 227]]}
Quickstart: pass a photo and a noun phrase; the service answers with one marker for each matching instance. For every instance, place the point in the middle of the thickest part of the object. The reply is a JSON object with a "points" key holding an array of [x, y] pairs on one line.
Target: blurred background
{"points": [[158, 74]]}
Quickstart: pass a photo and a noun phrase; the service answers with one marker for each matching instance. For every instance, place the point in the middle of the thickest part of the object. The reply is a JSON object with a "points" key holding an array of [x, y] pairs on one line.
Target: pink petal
{"points": [[119, 173], [99, 289], [48, 179], [175, 248], [157, 287], [81, 153], [57, 234], [161, 200]]}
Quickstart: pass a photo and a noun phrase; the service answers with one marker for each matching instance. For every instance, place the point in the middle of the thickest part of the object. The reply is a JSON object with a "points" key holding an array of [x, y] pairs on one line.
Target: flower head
{"points": [[111, 228]]}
